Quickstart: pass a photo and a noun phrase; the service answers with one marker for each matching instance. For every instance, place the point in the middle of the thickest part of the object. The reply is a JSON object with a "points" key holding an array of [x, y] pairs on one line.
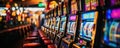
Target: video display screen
{"points": [[57, 23], [72, 25], [112, 28], [87, 25], [50, 23], [53, 23], [62, 26], [86, 30]]}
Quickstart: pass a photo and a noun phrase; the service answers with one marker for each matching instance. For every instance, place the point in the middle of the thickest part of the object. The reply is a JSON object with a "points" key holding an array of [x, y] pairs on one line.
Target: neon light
{"points": [[115, 13], [89, 15], [72, 17], [108, 16]]}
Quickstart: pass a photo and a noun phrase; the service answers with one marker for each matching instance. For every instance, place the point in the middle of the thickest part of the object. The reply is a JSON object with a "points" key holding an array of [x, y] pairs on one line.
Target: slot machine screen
{"points": [[91, 4], [112, 28], [45, 22], [57, 23], [114, 2], [62, 26], [53, 23], [87, 25], [72, 24]]}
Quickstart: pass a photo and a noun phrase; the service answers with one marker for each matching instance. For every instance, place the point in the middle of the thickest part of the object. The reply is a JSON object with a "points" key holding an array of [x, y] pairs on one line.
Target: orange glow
{"points": [[28, 20], [13, 13], [8, 5], [53, 4], [0, 18], [19, 18]]}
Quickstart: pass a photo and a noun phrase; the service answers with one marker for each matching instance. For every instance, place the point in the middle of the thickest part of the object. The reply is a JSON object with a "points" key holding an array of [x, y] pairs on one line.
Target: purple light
{"points": [[113, 2], [115, 13], [80, 41], [72, 17]]}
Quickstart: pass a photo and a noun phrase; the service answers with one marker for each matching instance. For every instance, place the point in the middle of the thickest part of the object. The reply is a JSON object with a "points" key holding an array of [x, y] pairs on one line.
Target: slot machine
{"points": [[87, 29], [50, 25], [88, 24], [71, 26], [53, 33], [58, 22], [63, 21], [111, 30], [44, 25]]}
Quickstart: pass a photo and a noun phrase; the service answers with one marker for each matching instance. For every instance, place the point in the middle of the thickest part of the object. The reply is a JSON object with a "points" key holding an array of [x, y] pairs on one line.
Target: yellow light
{"points": [[23, 0], [0, 18], [16, 4], [13, 13], [53, 4], [19, 18]]}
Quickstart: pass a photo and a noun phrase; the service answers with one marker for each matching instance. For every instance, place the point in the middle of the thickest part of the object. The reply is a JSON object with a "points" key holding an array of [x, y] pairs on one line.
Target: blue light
{"points": [[88, 16], [108, 14]]}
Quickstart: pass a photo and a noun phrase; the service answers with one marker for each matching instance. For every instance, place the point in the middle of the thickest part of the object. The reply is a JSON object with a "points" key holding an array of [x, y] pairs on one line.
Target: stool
{"points": [[31, 45], [45, 38], [31, 38], [34, 34], [51, 46], [47, 42]]}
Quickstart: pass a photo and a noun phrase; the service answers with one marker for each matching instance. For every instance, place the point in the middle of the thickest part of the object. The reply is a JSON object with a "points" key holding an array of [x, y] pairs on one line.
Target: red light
{"points": [[11, 0]]}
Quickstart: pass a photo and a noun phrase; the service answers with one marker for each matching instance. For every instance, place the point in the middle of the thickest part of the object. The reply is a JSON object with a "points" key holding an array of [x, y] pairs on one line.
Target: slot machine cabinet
{"points": [[71, 26], [111, 37], [51, 24], [111, 34], [87, 29], [53, 29], [88, 23], [46, 22], [62, 28], [57, 26], [53, 34], [48, 25], [58, 19]]}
